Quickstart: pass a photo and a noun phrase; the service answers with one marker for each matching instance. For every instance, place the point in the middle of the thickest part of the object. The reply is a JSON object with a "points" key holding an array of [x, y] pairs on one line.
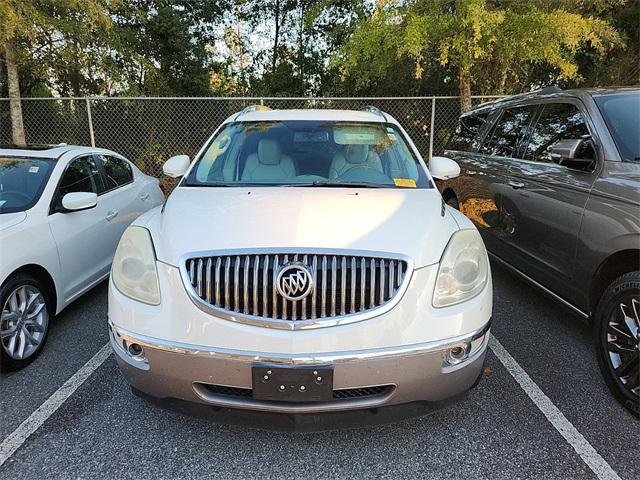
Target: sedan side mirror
{"points": [[571, 153], [443, 168], [176, 166], [76, 201]]}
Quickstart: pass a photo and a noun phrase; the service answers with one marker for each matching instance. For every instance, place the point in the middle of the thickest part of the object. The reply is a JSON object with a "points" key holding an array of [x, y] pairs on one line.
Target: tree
{"points": [[165, 47], [505, 38], [28, 27]]}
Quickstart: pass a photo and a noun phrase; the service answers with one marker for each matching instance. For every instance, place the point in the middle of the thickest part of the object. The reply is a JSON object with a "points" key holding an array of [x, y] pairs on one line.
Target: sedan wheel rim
{"points": [[623, 344], [24, 322]]}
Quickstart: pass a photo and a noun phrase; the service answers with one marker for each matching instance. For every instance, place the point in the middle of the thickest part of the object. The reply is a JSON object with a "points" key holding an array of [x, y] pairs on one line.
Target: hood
{"points": [[401, 221], [8, 220]]}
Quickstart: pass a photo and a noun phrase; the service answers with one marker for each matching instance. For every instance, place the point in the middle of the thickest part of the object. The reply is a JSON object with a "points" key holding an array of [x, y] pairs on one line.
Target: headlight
{"points": [[463, 271], [134, 270]]}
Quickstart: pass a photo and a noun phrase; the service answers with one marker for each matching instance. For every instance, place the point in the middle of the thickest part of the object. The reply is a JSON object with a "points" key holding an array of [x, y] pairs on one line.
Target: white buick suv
{"points": [[304, 263]]}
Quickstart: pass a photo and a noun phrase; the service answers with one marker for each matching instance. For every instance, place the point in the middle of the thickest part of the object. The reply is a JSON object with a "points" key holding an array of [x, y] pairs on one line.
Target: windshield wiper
{"points": [[326, 183], [222, 184]]}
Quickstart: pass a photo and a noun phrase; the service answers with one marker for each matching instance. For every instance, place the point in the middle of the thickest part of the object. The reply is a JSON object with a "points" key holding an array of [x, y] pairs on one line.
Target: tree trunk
{"points": [[301, 50], [276, 37], [15, 106], [464, 85]]}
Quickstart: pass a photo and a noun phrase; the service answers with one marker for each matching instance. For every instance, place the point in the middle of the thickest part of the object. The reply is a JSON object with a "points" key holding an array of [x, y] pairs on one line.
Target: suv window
{"points": [[621, 115], [504, 139], [308, 153], [117, 172], [82, 175], [558, 121], [467, 129]]}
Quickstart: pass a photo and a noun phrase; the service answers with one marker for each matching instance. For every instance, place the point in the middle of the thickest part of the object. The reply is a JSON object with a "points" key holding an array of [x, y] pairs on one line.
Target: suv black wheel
{"points": [[24, 321], [617, 336]]}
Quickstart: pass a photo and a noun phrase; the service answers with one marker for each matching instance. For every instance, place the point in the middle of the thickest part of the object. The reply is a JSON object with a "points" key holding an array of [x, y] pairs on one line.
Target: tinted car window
{"points": [[467, 129], [504, 139], [308, 153], [557, 121], [117, 171], [22, 181], [82, 175], [622, 114]]}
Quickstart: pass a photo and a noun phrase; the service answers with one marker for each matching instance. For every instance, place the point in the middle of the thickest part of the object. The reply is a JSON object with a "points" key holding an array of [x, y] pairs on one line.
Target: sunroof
{"points": [[33, 146]]}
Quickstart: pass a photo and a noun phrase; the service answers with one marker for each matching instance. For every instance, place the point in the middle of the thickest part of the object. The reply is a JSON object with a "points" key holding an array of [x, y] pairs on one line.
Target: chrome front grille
{"points": [[242, 285]]}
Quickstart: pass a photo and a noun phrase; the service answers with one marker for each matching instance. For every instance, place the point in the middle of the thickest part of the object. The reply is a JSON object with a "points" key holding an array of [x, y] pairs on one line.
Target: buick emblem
{"points": [[294, 281]]}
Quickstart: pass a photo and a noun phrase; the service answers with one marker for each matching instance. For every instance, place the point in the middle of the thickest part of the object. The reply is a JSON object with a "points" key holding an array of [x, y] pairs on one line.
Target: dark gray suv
{"points": [[552, 181]]}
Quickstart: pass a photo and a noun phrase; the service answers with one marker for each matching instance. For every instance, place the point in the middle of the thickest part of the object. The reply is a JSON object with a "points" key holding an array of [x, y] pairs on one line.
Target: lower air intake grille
{"points": [[361, 392], [344, 394]]}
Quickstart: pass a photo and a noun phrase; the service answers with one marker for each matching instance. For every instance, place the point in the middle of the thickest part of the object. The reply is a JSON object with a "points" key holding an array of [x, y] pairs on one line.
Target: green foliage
{"points": [[494, 43], [162, 47], [317, 47]]}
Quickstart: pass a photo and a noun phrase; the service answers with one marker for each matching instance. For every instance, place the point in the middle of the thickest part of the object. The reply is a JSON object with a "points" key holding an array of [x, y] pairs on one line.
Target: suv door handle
{"points": [[144, 196], [516, 185], [111, 215]]}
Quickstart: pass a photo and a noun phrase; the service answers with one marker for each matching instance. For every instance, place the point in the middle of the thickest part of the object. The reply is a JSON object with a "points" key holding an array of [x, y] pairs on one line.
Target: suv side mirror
{"points": [[176, 166], [443, 168], [568, 152], [76, 201]]}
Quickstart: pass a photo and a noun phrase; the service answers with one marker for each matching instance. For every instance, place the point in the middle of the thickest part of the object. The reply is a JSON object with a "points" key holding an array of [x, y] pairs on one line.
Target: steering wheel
{"points": [[364, 173], [16, 193]]}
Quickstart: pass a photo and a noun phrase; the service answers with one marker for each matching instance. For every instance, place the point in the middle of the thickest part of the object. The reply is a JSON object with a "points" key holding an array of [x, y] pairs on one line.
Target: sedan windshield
{"points": [[308, 153], [22, 181], [622, 114]]}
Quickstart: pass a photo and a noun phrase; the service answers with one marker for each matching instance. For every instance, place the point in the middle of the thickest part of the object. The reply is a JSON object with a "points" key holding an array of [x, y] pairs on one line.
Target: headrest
{"points": [[269, 152], [356, 153]]}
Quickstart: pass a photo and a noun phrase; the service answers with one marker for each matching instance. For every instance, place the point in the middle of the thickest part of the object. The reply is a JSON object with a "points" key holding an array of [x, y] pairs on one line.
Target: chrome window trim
{"points": [[260, 321]]}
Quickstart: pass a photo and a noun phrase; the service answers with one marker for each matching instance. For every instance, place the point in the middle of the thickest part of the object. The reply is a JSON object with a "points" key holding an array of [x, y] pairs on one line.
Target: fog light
{"points": [[136, 351], [458, 354]]}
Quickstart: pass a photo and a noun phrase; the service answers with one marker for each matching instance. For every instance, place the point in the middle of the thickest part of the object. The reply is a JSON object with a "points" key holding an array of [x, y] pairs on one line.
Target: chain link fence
{"points": [[148, 130]]}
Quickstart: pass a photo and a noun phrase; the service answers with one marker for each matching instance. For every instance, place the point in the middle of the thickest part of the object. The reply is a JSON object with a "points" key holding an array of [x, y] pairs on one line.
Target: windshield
{"points": [[308, 153], [622, 114], [22, 181]]}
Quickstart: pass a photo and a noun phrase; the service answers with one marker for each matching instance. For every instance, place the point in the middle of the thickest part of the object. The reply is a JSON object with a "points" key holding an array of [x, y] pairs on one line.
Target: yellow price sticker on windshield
{"points": [[404, 182]]}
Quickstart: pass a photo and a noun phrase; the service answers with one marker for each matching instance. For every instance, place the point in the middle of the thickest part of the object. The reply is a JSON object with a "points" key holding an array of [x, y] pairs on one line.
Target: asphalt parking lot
{"points": [[548, 415]]}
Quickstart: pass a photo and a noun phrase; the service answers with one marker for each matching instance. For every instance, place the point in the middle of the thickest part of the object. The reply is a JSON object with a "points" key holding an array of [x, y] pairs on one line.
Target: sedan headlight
{"points": [[463, 270], [134, 270]]}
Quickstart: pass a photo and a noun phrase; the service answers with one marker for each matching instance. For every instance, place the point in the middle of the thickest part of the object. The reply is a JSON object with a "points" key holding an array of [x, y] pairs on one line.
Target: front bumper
{"points": [[410, 373]]}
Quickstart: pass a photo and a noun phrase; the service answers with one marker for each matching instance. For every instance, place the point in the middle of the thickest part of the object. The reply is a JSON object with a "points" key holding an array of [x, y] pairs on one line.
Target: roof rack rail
{"points": [[551, 89], [541, 91], [254, 108], [374, 111]]}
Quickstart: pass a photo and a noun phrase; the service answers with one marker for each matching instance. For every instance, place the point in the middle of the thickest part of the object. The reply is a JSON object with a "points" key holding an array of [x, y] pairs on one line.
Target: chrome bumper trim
{"points": [[299, 358]]}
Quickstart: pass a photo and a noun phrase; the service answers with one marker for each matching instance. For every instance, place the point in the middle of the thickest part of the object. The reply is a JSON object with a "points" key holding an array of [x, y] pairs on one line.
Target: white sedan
{"points": [[62, 212]]}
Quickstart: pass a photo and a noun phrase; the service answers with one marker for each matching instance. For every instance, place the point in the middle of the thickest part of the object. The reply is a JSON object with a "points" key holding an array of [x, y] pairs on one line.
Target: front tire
{"points": [[24, 321], [617, 338]]}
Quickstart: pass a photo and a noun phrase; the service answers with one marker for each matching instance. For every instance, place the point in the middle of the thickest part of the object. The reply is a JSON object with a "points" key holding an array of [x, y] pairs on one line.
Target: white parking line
{"points": [[10, 444], [589, 455]]}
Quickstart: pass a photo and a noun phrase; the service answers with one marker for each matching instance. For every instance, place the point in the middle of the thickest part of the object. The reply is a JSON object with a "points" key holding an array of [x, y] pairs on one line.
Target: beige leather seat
{"points": [[268, 163], [354, 156]]}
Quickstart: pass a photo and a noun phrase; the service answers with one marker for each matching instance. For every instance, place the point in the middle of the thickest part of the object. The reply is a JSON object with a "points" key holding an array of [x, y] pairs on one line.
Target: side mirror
{"points": [[568, 152], [176, 166], [76, 201], [443, 168]]}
